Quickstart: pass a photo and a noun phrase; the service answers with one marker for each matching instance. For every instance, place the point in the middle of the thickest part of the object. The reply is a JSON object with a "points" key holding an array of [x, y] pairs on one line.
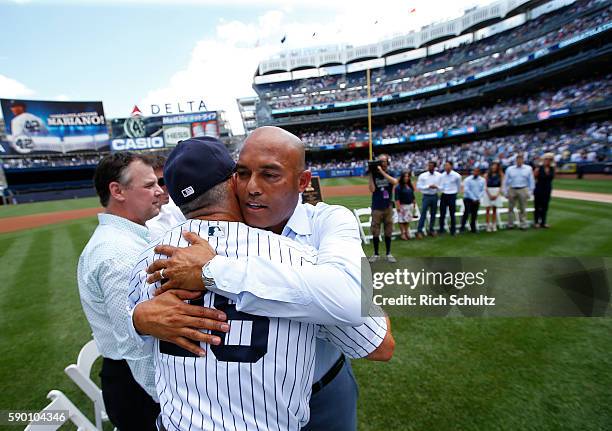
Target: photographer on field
{"points": [[381, 185]]}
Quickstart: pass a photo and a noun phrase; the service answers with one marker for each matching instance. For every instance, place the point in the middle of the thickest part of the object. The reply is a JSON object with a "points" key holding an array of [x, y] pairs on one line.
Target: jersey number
{"points": [[258, 347], [259, 335]]}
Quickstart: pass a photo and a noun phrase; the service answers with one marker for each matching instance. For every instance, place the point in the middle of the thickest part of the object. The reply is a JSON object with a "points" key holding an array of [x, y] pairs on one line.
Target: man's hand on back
{"points": [[183, 269], [169, 318]]}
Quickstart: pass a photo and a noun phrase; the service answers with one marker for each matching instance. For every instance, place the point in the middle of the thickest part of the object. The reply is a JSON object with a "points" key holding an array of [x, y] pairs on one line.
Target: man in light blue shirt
{"points": [[473, 191], [267, 184], [129, 193], [518, 186]]}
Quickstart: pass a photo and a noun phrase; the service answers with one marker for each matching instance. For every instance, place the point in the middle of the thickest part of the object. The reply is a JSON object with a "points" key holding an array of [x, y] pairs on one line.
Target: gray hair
{"points": [[210, 198]]}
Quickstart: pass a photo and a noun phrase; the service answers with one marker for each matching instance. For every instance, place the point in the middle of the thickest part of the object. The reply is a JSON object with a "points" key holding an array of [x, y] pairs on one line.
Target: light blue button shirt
{"points": [[332, 289], [103, 276], [304, 228], [473, 188], [519, 177]]}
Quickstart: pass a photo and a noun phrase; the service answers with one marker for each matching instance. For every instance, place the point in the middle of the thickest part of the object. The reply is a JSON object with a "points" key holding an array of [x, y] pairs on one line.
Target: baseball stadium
{"points": [[524, 85]]}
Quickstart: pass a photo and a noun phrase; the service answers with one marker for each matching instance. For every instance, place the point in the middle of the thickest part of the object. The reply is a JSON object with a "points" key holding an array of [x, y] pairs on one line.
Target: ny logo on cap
{"points": [[187, 192]]}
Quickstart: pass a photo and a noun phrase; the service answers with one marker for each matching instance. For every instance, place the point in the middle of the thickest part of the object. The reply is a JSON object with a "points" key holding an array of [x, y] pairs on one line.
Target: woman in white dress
{"points": [[492, 197]]}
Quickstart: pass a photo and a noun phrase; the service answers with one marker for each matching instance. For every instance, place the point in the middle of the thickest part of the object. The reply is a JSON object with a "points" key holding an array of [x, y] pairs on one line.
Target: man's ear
{"points": [[233, 183], [116, 191], [304, 180]]}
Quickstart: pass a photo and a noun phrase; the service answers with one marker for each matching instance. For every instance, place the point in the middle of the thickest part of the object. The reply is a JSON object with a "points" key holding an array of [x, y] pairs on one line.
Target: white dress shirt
{"points": [[450, 182], [103, 277], [169, 216], [427, 179]]}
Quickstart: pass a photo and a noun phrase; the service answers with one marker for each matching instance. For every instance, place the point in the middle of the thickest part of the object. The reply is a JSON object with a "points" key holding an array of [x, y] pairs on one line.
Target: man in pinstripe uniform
{"points": [[243, 381], [271, 174]]}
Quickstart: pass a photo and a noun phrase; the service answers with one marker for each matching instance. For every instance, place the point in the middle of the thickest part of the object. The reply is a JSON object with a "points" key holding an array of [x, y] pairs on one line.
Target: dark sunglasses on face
{"points": [[161, 182]]}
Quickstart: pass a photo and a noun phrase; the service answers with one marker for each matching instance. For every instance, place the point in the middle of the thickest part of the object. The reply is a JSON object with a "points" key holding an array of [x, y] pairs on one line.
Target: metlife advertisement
{"points": [[185, 126], [38, 127]]}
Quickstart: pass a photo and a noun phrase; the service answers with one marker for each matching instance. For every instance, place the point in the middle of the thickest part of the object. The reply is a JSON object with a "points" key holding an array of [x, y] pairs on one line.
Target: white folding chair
{"points": [[59, 401], [416, 215], [364, 223], [80, 373]]}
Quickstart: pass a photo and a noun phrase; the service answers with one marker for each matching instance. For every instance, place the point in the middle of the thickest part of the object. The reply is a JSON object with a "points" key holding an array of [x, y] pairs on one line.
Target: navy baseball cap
{"points": [[195, 166]]}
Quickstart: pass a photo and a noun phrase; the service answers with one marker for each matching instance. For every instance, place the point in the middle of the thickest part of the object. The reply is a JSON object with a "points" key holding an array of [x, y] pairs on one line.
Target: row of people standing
{"points": [[441, 190], [445, 187]]}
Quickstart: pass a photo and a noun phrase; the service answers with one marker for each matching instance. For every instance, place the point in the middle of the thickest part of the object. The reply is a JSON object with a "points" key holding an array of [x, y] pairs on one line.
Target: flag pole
{"points": [[369, 112]]}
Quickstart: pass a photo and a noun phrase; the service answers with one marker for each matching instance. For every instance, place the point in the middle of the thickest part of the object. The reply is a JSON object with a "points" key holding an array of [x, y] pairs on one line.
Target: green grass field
{"points": [[455, 373], [44, 207], [585, 185], [599, 186]]}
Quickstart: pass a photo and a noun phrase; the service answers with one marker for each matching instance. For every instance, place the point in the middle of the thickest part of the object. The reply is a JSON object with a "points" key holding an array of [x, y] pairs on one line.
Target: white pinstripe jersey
{"points": [[260, 377]]}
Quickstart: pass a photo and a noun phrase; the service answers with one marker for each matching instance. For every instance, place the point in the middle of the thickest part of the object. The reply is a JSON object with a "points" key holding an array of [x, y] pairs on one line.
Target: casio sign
{"points": [[137, 143]]}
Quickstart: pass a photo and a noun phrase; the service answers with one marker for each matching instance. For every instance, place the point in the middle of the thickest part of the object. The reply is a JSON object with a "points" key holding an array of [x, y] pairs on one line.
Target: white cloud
{"points": [[11, 88], [221, 68], [62, 98]]}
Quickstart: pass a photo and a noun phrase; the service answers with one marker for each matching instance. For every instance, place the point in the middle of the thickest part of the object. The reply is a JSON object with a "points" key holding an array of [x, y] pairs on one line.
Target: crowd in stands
{"points": [[47, 161], [413, 76], [581, 93], [589, 143], [586, 143]]}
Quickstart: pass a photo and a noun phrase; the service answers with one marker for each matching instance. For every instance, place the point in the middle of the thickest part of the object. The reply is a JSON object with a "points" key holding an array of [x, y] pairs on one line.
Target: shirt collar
{"points": [[124, 224], [299, 222]]}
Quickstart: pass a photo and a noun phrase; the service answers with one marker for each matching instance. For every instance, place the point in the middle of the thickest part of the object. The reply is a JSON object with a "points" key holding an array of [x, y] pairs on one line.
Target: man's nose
{"points": [[252, 187]]}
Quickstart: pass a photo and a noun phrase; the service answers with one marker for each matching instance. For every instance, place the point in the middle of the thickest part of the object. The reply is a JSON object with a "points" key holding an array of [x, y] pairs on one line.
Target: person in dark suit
{"points": [[544, 176]]}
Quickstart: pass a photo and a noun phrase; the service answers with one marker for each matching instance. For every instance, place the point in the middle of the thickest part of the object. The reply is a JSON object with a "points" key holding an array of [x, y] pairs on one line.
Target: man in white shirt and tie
{"points": [[428, 184], [518, 186], [450, 182]]}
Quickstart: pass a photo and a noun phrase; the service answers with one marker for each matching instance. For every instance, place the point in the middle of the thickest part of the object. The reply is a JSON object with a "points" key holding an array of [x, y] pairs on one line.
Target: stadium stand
{"points": [[585, 93], [534, 80], [585, 143], [462, 62]]}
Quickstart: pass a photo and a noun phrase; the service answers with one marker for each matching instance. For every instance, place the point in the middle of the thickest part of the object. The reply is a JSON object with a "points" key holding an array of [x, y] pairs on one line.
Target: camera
{"points": [[373, 168], [372, 164]]}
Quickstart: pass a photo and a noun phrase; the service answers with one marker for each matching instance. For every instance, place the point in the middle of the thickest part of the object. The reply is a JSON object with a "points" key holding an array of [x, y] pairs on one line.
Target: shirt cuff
{"points": [[140, 340], [228, 274]]}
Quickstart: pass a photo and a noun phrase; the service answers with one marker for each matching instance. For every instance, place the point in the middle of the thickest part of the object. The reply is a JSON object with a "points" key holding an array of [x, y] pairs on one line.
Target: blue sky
{"points": [[154, 51]]}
